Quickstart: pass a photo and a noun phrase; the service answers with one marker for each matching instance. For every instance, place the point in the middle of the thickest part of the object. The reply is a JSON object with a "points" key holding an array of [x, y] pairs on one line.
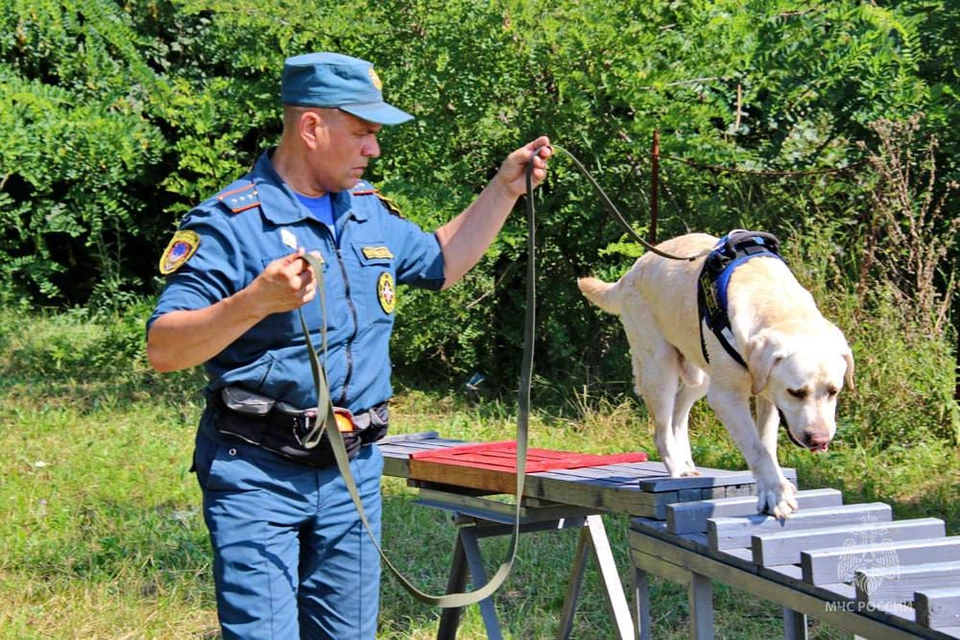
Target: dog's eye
{"points": [[832, 391], [799, 394]]}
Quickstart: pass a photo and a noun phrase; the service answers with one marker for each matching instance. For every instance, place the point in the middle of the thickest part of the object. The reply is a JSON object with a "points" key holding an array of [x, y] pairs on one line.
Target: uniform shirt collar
{"points": [[278, 202]]}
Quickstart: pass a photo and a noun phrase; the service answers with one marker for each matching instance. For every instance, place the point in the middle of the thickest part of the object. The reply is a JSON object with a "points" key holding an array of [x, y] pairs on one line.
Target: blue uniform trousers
{"points": [[291, 557]]}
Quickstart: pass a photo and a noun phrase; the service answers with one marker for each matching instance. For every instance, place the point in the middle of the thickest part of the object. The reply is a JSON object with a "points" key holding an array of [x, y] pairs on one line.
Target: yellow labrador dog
{"points": [[791, 358]]}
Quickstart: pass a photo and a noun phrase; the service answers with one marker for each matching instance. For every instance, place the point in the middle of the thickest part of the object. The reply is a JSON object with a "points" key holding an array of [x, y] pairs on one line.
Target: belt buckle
{"points": [[304, 424]]}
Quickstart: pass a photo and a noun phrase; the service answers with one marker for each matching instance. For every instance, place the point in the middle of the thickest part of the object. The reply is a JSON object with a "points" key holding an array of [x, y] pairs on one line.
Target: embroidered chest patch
{"points": [[386, 293], [182, 246]]}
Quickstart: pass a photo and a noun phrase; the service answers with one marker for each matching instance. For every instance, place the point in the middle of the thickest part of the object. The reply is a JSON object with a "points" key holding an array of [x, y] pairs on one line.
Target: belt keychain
{"points": [[327, 422]]}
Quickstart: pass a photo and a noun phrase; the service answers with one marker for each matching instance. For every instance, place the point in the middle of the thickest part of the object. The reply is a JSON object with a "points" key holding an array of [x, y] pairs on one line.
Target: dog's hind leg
{"points": [[656, 376], [694, 384], [657, 368]]}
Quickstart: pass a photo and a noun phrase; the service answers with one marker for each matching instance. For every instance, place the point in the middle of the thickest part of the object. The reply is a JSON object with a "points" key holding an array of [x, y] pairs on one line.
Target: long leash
{"points": [[329, 426], [612, 208]]}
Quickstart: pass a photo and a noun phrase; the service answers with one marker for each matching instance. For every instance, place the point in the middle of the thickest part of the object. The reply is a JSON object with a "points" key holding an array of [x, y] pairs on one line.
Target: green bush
{"points": [[103, 151]]}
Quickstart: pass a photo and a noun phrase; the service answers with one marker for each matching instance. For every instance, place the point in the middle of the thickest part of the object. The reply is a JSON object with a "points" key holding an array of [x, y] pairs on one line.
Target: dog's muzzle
{"points": [[814, 448]]}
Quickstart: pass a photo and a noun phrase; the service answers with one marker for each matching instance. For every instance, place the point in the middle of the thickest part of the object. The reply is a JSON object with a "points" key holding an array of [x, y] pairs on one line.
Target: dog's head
{"points": [[801, 369]]}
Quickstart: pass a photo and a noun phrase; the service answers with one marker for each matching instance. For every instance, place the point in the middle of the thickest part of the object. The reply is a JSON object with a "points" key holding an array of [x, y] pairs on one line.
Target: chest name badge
{"points": [[377, 253], [386, 293], [183, 245]]}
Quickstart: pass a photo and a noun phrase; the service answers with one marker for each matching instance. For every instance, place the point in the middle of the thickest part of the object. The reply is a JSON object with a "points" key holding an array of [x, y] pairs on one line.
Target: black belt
{"points": [[282, 433]]}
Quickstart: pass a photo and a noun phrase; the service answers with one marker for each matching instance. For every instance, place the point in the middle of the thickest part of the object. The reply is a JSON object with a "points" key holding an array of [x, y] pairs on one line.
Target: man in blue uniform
{"points": [[290, 556]]}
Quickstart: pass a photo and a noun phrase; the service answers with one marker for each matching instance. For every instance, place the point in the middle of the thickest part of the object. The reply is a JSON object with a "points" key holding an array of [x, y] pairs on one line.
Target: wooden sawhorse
{"points": [[478, 517]]}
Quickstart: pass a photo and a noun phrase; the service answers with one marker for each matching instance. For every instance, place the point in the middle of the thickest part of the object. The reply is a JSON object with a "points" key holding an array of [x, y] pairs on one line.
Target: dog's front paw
{"points": [[779, 499], [690, 470]]}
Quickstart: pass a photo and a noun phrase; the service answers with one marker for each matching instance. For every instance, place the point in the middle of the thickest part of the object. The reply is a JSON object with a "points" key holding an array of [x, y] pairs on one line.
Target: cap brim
{"points": [[379, 112]]}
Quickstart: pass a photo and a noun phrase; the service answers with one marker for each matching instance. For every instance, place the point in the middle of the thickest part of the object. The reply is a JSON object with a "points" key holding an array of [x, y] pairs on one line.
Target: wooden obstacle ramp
{"points": [[610, 483], [853, 566]]}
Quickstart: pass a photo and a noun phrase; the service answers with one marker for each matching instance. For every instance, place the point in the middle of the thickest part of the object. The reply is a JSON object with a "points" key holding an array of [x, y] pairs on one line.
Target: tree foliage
{"points": [[117, 117]]}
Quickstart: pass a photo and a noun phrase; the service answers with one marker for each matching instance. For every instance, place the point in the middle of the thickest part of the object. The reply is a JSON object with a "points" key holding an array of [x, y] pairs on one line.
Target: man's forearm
{"points": [[467, 237], [182, 339]]}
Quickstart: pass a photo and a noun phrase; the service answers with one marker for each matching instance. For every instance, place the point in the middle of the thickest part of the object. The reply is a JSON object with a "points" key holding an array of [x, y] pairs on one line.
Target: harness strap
{"points": [[337, 444], [730, 252]]}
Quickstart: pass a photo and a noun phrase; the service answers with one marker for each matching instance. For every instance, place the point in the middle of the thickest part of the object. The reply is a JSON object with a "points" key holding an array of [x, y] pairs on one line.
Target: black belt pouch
{"points": [[276, 432]]}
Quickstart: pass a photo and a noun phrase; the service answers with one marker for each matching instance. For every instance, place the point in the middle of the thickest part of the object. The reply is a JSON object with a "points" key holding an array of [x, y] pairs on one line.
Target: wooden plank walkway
{"points": [[634, 488], [851, 566]]}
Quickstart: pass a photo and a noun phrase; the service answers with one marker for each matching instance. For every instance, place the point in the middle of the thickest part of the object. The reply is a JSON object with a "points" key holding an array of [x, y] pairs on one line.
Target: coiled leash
{"points": [[328, 423]]}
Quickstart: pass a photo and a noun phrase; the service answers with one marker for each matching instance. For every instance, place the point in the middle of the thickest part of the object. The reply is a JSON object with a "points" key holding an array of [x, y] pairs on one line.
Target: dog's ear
{"points": [[848, 375], [763, 353]]}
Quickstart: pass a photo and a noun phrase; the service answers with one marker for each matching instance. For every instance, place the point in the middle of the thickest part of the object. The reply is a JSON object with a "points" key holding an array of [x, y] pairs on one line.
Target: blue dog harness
{"points": [[731, 251]]}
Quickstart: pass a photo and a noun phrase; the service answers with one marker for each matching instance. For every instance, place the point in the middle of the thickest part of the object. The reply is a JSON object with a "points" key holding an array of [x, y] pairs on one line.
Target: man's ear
{"points": [[763, 353], [310, 130]]}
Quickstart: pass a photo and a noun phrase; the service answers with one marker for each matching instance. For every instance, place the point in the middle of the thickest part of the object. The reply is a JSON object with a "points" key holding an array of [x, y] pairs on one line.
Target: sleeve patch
{"points": [[182, 246]]}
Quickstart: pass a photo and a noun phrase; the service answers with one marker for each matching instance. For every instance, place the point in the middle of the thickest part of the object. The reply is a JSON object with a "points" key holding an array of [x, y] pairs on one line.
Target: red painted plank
{"points": [[501, 456]]}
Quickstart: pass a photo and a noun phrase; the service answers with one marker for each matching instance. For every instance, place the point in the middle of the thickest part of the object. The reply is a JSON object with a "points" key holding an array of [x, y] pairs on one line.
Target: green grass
{"points": [[101, 534]]}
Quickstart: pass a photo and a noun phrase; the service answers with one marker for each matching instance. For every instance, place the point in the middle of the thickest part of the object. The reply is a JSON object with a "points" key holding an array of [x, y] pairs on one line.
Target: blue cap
{"points": [[333, 80]]}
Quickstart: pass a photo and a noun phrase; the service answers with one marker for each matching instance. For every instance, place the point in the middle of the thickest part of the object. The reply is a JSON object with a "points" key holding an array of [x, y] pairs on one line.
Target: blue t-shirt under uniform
{"points": [[321, 208]]}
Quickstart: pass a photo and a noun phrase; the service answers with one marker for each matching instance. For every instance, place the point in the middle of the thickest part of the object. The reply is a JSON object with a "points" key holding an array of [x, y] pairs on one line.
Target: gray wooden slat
{"points": [[406, 448], [938, 608], [785, 548], [831, 565], [692, 516], [699, 482], [608, 498], [728, 533], [594, 473], [708, 480], [409, 437], [898, 584]]}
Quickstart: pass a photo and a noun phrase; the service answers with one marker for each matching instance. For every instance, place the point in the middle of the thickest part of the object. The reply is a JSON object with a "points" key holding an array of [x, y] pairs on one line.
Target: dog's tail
{"points": [[605, 295]]}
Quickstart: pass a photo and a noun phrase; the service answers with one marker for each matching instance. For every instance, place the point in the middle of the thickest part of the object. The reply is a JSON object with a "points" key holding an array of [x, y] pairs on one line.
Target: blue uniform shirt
{"points": [[258, 219]]}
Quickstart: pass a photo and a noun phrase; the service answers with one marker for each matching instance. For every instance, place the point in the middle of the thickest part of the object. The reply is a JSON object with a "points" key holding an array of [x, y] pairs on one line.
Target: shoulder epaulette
{"points": [[390, 205], [241, 198], [363, 188]]}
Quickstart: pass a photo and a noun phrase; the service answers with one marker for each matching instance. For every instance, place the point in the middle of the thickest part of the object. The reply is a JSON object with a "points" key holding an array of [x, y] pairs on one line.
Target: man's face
{"points": [[345, 144]]}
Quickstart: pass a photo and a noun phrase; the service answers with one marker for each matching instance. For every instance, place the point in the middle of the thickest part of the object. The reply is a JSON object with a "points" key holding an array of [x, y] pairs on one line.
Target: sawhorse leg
{"points": [[641, 603], [466, 554], [593, 537], [794, 625], [701, 607]]}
